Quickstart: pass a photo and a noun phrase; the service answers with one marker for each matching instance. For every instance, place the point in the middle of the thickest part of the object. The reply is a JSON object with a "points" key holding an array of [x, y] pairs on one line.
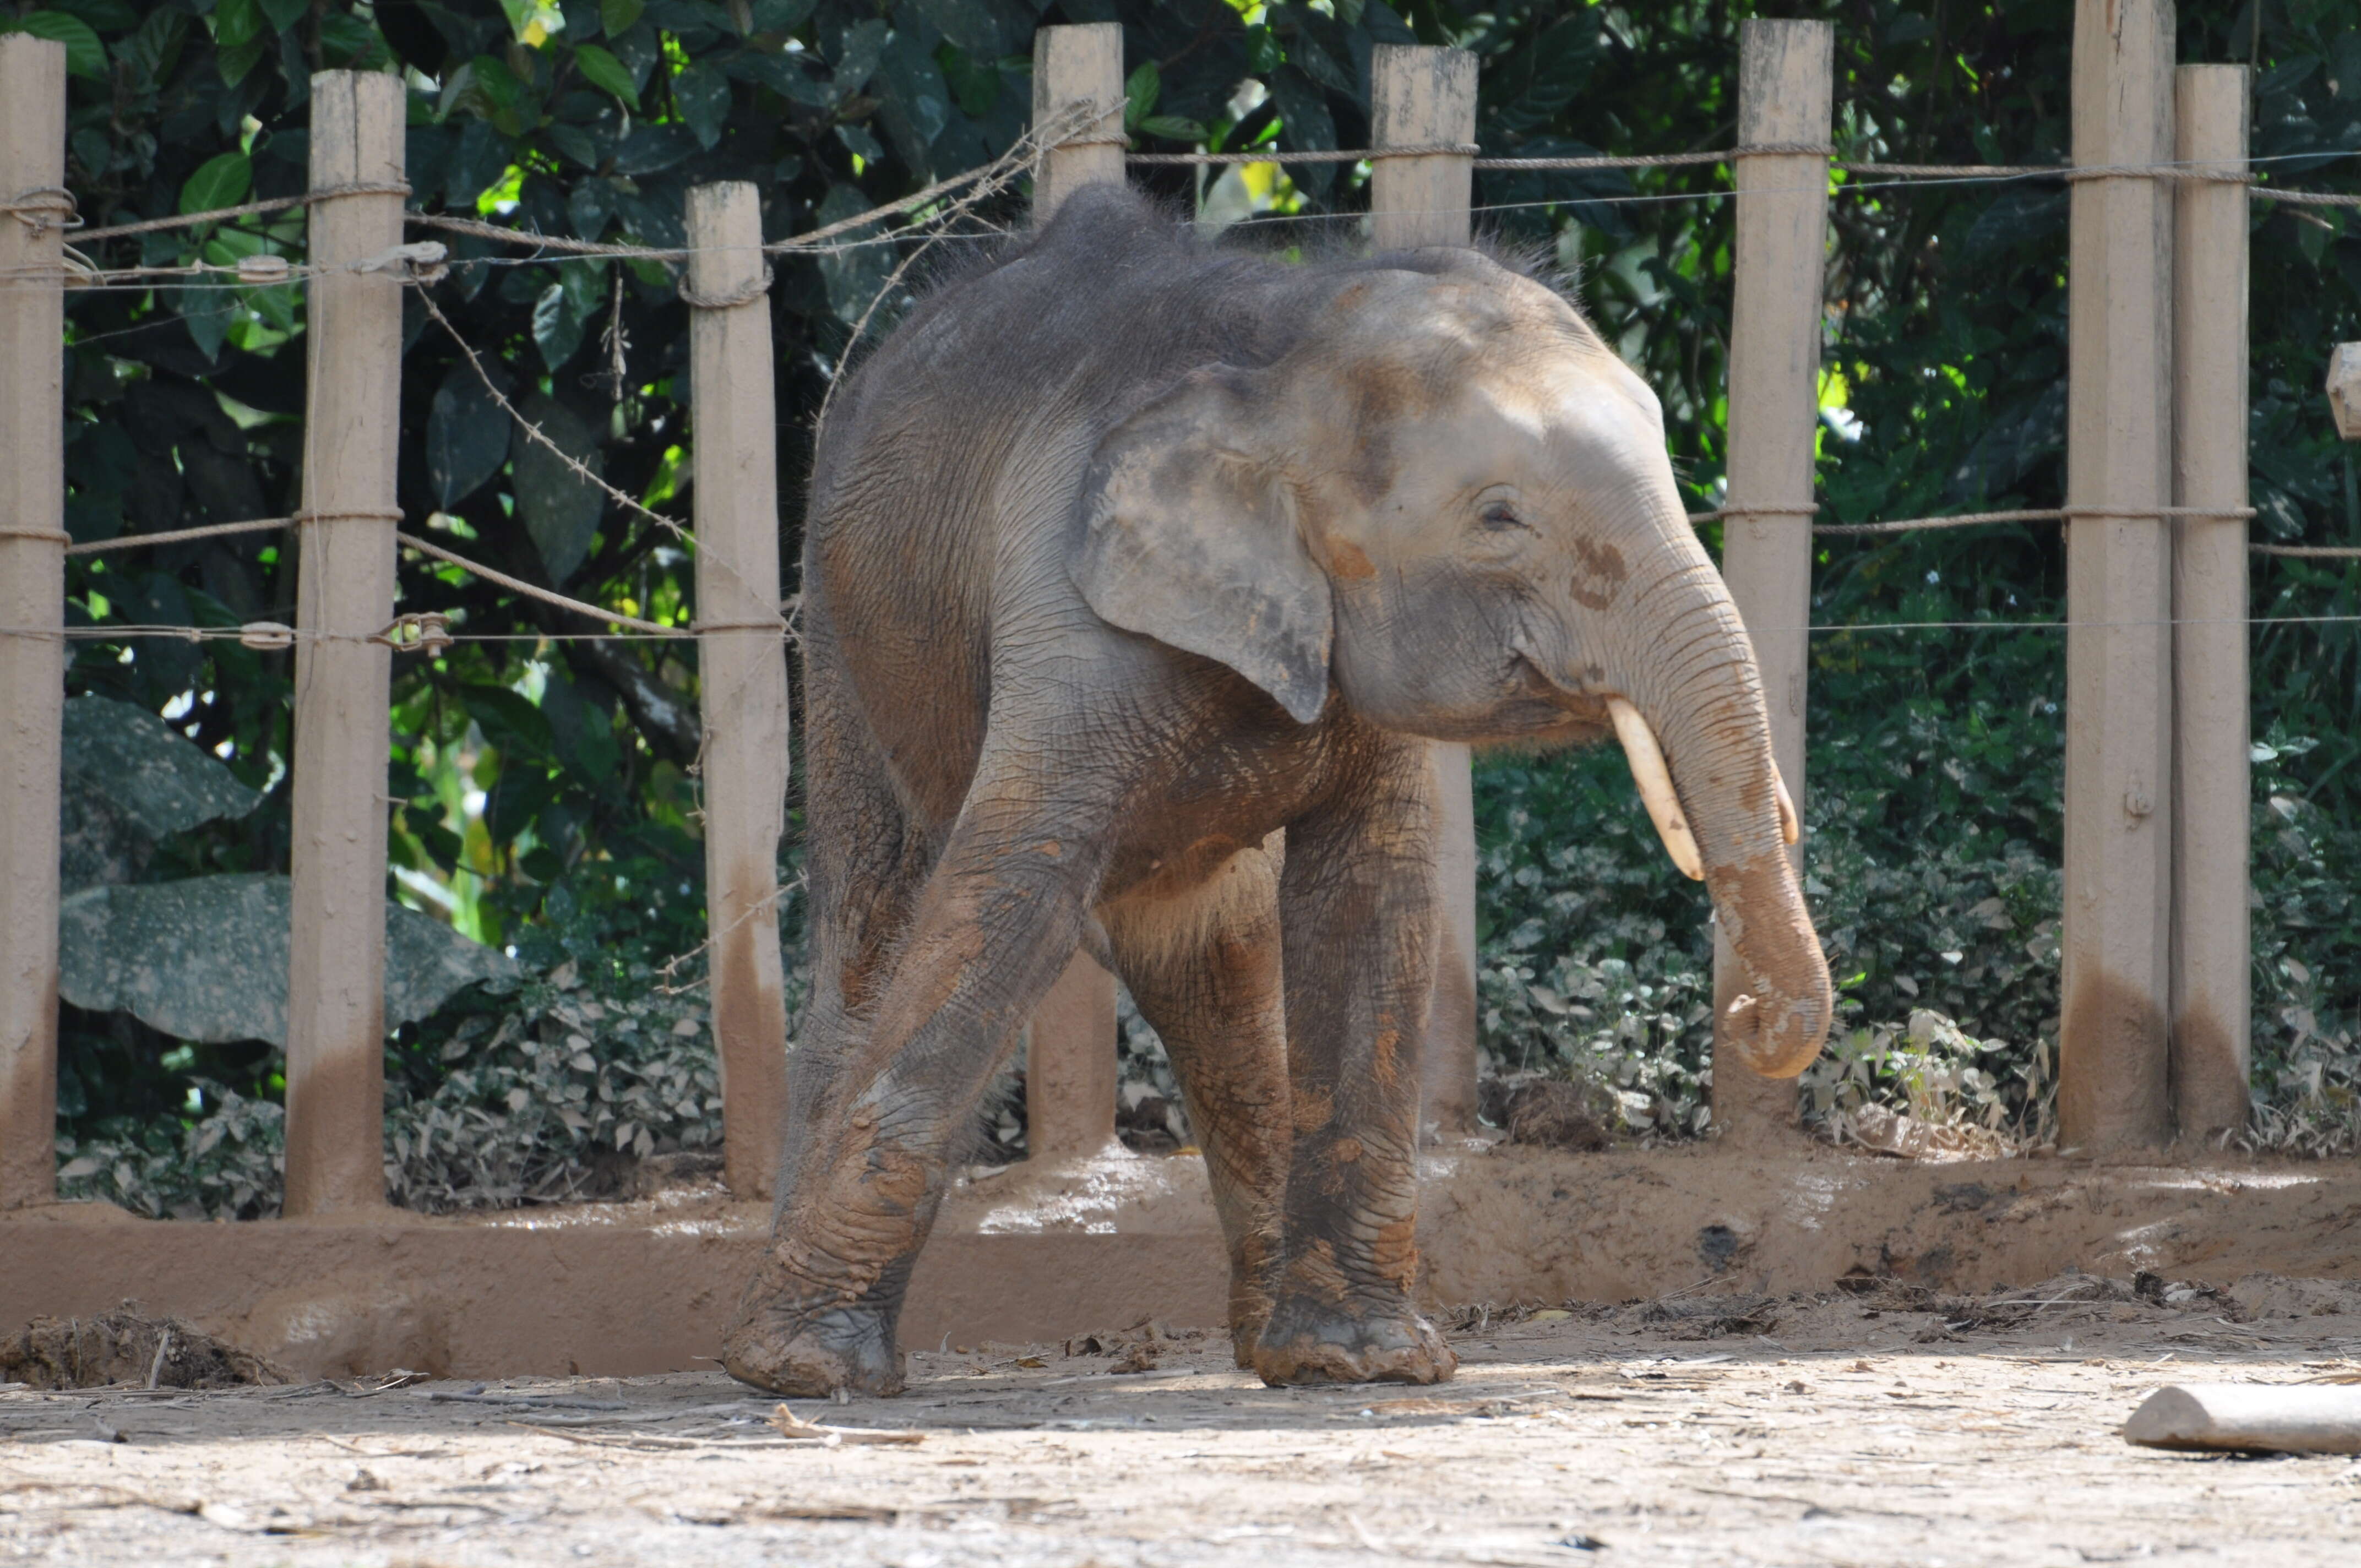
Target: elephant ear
{"points": [[1192, 538]]}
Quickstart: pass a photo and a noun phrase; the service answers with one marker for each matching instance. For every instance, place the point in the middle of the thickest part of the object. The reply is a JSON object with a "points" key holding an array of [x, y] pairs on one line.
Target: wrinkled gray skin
{"points": [[1129, 561]]}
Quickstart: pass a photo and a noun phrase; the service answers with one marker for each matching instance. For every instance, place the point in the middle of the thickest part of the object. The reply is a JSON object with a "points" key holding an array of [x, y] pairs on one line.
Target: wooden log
{"points": [[2209, 737], [1418, 97], [1071, 1062], [2265, 1418], [32, 605], [1079, 65], [335, 972], [743, 669], [2116, 974], [1786, 86]]}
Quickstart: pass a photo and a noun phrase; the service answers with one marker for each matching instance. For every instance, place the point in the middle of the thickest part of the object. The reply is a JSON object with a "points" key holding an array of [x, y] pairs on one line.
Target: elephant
{"points": [[1140, 575]]}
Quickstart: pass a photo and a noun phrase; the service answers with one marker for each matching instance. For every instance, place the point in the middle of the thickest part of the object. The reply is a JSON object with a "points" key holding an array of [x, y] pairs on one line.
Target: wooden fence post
{"points": [[1426, 96], [2115, 972], [32, 603], [335, 981], [1074, 65], [1786, 80], [742, 665], [1072, 1071], [2211, 785]]}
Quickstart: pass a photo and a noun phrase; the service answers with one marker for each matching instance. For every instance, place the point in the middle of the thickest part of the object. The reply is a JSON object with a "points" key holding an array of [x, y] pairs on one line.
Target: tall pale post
{"points": [[32, 604], [2209, 737], [742, 670], [344, 595], [1421, 96], [1079, 71], [1070, 1067], [2115, 979], [1786, 76]]}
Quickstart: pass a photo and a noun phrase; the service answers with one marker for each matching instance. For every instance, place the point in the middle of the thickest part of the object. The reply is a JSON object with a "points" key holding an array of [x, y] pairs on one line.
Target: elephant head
{"points": [[1449, 499]]}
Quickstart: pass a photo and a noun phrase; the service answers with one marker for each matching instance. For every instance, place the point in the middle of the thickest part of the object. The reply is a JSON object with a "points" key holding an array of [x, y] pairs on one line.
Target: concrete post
{"points": [[1421, 96], [1071, 1065], [335, 981], [2115, 979], [742, 665], [32, 597], [1786, 82], [2210, 786]]}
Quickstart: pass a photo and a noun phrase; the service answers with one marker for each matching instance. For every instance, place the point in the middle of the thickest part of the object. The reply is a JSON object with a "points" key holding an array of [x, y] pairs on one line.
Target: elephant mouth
{"points": [[1535, 710]]}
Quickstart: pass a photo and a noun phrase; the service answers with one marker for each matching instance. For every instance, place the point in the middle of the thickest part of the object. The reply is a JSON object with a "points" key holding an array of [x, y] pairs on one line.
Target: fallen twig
{"points": [[793, 1425]]}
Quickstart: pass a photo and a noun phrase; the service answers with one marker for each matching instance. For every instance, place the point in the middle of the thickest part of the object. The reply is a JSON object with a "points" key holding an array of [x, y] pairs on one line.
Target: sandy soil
{"points": [[1897, 1426]]}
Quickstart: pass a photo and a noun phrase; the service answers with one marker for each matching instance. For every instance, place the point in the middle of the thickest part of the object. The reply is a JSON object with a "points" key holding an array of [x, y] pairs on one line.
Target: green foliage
{"points": [[550, 1093]]}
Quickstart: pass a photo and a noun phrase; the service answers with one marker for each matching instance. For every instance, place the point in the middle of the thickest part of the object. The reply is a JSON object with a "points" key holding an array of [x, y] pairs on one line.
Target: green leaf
{"points": [[106, 16], [1139, 94], [618, 16], [975, 84], [857, 60], [560, 508], [556, 331], [208, 313], [154, 48], [236, 23], [510, 722], [1168, 128], [220, 181], [702, 95], [205, 959], [129, 781], [775, 16], [853, 278], [971, 25], [284, 14], [467, 437], [602, 70], [85, 56]]}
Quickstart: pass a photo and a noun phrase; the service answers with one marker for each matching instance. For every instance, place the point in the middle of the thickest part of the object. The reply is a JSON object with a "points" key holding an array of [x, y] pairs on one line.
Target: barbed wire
{"points": [[580, 470], [48, 205]]}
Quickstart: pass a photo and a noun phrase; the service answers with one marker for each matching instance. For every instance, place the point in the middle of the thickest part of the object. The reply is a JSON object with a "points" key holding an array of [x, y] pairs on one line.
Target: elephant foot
{"points": [[1249, 1314], [1316, 1343], [809, 1356]]}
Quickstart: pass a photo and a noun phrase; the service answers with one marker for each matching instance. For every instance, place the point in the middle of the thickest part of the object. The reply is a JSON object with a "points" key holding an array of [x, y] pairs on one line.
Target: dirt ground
{"points": [[1889, 1426]]}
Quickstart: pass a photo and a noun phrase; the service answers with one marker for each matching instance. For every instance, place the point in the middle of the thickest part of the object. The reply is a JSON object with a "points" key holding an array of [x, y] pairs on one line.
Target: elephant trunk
{"points": [[1699, 740]]}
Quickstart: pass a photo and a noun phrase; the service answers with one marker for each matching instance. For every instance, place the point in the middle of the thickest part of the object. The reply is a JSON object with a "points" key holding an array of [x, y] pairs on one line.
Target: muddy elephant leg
{"points": [[1206, 972], [868, 863], [1358, 905], [997, 919]]}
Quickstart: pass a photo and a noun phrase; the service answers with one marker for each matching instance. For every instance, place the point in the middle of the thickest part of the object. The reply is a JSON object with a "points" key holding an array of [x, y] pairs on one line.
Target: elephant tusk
{"points": [[1789, 828], [1655, 781]]}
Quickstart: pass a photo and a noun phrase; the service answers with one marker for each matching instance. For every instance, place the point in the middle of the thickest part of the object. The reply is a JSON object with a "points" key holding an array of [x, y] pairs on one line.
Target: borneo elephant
{"points": [[1138, 575]]}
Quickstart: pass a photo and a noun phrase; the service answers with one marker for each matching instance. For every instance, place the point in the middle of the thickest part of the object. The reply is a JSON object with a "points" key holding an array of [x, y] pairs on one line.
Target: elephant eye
{"points": [[1500, 517]]}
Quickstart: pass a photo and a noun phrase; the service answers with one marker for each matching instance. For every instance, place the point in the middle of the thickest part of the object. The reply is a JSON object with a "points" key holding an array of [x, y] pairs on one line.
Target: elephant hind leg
{"points": [[868, 863], [1205, 969]]}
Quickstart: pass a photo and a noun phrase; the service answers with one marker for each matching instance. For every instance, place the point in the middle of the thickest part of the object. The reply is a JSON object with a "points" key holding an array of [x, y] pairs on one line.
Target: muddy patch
{"points": [[128, 1349]]}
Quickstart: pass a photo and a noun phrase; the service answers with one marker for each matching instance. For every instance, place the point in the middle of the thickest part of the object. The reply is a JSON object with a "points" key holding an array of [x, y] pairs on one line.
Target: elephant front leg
{"points": [[870, 1147], [1358, 907]]}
